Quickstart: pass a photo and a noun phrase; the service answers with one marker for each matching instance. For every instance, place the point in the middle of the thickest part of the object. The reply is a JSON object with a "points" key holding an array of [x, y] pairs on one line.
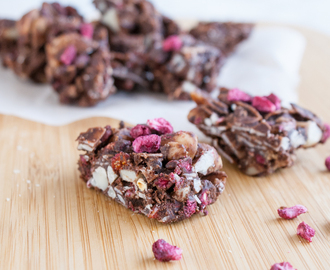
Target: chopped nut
{"points": [[165, 252], [110, 19], [111, 192], [291, 212], [314, 134], [100, 179], [128, 175], [282, 266], [305, 231], [112, 176], [142, 184]]}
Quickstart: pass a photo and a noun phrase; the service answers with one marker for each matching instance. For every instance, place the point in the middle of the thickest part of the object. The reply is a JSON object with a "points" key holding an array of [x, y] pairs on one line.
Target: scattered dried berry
{"points": [[275, 100], [87, 30], [238, 95], [305, 231], [190, 208], [147, 143], [326, 133], [68, 55], [327, 163], [291, 212], [119, 160], [282, 266], [262, 104], [165, 252], [260, 159], [172, 43], [160, 125], [140, 130]]}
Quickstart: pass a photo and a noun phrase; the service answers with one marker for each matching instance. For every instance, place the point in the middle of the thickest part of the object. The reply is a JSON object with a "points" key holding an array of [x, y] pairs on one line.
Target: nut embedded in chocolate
{"points": [[168, 177], [256, 133]]}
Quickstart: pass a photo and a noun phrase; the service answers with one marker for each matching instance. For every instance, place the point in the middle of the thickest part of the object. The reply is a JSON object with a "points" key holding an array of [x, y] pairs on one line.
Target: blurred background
{"points": [[313, 14]]}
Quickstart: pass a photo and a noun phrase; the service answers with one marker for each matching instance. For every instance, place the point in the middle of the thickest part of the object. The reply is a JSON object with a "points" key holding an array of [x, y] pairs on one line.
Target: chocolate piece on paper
{"points": [[255, 133]]}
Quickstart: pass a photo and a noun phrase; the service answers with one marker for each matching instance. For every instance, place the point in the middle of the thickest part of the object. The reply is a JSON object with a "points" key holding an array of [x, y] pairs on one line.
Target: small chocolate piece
{"points": [[79, 68], [34, 29], [8, 42], [191, 65], [165, 176], [259, 137], [225, 36]]}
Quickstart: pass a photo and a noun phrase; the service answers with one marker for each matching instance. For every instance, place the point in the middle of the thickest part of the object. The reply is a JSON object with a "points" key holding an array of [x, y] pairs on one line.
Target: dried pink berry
{"points": [[87, 30], [260, 159], [204, 198], [190, 208], [160, 125], [291, 212], [172, 43], [165, 181], [238, 95], [282, 266], [327, 163], [305, 231], [326, 133], [140, 130], [147, 143], [165, 252], [275, 100], [68, 55], [263, 104]]}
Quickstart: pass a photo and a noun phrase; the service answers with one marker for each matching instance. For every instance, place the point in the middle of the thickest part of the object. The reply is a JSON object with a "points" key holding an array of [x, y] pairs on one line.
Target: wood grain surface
{"points": [[50, 220]]}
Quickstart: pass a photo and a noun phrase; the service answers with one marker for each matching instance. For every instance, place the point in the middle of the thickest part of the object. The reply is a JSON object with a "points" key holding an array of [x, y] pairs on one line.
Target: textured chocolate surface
{"points": [[225, 36], [258, 142], [165, 176], [85, 79]]}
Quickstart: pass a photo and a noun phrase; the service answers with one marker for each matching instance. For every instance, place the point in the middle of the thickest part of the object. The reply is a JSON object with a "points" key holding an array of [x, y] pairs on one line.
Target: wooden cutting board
{"points": [[50, 220]]}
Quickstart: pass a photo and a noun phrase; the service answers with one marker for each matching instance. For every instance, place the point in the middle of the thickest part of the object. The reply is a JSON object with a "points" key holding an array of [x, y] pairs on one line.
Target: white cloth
{"points": [[267, 62]]}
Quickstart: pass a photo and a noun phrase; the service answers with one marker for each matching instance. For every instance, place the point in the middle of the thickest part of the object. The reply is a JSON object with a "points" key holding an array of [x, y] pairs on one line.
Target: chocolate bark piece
{"points": [[169, 181], [225, 36], [258, 142], [79, 68], [8, 41], [193, 65], [27, 57]]}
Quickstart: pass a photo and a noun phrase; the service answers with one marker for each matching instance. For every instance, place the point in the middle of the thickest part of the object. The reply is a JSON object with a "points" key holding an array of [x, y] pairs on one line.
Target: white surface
{"points": [[267, 62], [309, 13]]}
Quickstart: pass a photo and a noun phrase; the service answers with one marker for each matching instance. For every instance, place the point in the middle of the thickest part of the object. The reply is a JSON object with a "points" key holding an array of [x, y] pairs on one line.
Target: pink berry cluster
{"points": [[147, 137]]}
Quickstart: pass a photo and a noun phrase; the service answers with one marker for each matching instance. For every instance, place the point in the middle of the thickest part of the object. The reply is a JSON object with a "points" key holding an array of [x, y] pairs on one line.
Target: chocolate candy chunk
{"points": [[79, 68], [8, 42], [190, 65], [256, 133], [165, 176], [225, 36]]}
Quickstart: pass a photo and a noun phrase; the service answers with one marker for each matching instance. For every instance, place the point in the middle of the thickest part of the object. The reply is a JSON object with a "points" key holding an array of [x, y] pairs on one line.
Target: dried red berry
{"points": [[326, 133], [172, 43], [305, 231], [190, 208], [291, 212], [238, 95], [260, 159], [140, 130], [327, 163], [68, 55], [262, 104], [148, 143], [87, 30], [165, 252], [165, 181], [275, 100], [282, 266], [160, 125], [119, 160]]}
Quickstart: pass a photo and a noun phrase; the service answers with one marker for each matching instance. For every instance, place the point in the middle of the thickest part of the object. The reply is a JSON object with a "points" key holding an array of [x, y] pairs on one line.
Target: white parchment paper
{"points": [[267, 62]]}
